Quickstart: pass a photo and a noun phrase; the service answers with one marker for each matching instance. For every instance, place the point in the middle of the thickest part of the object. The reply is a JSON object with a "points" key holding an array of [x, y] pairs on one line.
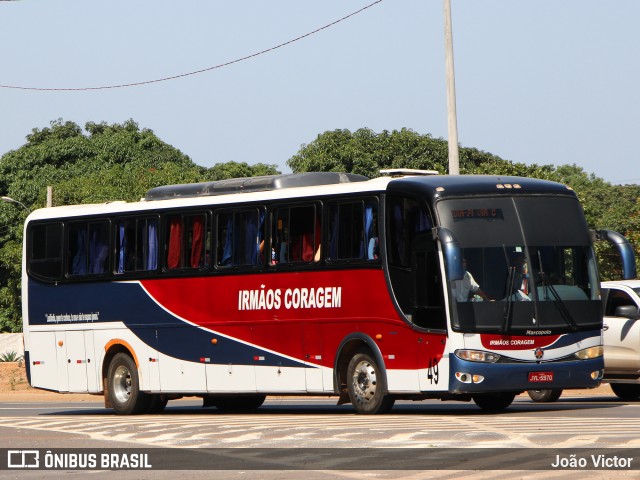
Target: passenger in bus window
{"points": [[468, 289]]}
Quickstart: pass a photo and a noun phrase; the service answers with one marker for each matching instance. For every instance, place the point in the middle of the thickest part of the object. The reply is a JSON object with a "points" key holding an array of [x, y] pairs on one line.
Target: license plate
{"points": [[538, 377]]}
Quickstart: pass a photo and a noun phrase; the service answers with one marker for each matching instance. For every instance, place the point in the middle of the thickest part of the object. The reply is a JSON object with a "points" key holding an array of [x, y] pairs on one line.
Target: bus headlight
{"points": [[477, 356], [591, 352]]}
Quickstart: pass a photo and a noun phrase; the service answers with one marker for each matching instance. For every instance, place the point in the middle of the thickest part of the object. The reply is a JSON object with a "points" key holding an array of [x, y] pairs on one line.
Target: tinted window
{"points": [[136, 241], [45, 250], [296, 234], [353, 231], [88, 248], [240, 238], [185, 241]]}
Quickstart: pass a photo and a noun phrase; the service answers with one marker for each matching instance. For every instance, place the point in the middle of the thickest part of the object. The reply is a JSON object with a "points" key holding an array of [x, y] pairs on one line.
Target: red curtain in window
{"points": [[175, 238], [196, 242]]}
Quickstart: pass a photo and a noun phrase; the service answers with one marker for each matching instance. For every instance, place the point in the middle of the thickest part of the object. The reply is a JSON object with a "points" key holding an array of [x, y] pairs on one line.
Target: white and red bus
{"points": [[407, 286]]}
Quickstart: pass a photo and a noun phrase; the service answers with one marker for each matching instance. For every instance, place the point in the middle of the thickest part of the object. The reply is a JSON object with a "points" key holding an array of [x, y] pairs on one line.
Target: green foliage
{"points": [[222, 171], [102, 163], [10, 357]]}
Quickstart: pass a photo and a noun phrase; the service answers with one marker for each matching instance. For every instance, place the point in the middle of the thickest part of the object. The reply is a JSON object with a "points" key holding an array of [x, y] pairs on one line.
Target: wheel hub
{"points": [[364, 382], [122, 384]]}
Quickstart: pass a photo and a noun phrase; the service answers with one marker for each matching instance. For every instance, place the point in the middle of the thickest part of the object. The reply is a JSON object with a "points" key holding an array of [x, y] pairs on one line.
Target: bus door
{"points": [[429, 313]]}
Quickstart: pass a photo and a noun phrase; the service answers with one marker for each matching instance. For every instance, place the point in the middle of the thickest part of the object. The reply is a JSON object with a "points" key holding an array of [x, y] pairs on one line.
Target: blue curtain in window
{"points": [[152, 245], [98, 250], [122, 248], [422, 221], [227, 251], [248, 254], [368, 231], [79, 263]]}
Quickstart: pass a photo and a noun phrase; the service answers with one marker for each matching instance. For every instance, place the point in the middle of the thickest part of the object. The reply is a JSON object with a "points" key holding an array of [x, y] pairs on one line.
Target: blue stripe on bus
{"points": [[128, 303], [573, 338]]}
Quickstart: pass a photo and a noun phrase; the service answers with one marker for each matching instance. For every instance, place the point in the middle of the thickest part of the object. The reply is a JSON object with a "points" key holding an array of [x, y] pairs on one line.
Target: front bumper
{"points": [[500, 377]]}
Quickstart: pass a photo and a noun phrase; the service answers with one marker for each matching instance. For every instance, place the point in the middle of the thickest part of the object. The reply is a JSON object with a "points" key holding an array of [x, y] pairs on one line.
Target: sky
{"points": [[544, 82]]}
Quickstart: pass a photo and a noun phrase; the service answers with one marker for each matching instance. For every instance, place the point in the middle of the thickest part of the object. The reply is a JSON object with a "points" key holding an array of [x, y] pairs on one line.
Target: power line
{"points": [[196, 72]]}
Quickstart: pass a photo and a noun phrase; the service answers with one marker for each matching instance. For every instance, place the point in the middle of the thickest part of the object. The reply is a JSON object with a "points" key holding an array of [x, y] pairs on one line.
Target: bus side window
{"points": [[136, 245], [240, 238], [353, 231], [88, 248], [296, 235], [185, 241], [45, 250]]}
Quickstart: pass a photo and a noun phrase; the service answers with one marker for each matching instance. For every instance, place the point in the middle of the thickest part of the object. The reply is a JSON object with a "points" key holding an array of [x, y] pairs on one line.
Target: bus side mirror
{"points": [[451, 252], [624, 248]]}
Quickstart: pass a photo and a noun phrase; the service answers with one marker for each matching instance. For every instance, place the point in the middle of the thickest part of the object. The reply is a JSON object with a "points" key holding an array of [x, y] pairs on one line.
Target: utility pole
{"points": [[454, 162]]}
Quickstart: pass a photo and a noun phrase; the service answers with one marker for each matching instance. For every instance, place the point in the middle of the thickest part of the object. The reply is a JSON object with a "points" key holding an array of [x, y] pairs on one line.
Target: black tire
{"points": [[239, 403], [494, 402], [124, 387], [366, 385], [544, 396], [157, 403], [629, 392]]}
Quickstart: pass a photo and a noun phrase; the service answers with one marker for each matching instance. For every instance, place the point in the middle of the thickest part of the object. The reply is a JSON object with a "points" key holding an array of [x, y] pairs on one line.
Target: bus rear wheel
{"points": [[626, 391], [366, 385], [494, 402], [124, 387], [546, 395]]}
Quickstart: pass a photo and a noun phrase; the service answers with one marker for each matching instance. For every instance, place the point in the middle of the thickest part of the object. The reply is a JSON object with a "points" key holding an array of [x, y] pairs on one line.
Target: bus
{"points": [[411, 286]]}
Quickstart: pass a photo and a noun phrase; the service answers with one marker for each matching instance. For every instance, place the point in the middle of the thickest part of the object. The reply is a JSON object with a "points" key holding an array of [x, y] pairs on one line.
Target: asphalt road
{"points": [[297, 426]]}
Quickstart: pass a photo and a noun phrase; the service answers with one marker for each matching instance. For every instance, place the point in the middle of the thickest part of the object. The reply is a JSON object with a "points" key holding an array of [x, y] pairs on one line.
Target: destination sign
{"points": [[477, 213]]}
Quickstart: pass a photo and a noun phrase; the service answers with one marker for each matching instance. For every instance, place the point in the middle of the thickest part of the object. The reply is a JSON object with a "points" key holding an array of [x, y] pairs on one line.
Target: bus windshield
{"points": [[529, 265]]}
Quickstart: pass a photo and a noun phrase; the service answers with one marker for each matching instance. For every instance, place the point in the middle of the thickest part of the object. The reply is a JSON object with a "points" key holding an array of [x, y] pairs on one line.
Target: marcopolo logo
{"points": [[23, 459]]}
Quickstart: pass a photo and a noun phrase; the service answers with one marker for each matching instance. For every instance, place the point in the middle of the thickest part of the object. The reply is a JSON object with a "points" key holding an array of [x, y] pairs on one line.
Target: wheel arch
{"points": [[348, 347]]}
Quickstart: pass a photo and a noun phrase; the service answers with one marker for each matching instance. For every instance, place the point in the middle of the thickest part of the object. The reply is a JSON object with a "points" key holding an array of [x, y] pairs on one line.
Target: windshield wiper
{"points": [[508, 311], [557, 300]]}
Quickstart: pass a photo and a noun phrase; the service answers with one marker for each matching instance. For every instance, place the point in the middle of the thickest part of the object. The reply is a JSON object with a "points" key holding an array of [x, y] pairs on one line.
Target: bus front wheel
{"points": [[494, 401], [366, 387], [124, 387], [545, 395]]}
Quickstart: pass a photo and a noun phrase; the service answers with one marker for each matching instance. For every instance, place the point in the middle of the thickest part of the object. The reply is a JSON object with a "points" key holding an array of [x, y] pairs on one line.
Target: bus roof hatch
{"points": [[251, 184]]}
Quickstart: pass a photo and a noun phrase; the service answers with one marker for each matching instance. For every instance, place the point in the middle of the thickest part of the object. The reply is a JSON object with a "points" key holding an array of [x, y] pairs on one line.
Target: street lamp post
{"points": [[11, 200], [454, 162]]}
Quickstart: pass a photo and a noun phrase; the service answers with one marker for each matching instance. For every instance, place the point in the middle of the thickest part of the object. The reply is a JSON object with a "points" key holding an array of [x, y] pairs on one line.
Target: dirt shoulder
{"points": [[15, 388]]}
